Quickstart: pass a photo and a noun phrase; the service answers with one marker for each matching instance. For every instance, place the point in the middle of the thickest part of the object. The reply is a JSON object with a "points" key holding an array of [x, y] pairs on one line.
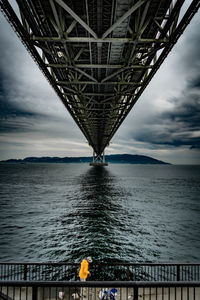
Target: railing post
{"points": [[135, 293], [34, 293], [178, 273], [76, 275], [25, 272], [128, 272]]}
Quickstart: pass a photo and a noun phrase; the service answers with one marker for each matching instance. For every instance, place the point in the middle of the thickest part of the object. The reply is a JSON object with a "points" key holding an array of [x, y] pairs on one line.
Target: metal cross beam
{"points": [[76, 17], [97, 66], [84, 39]]}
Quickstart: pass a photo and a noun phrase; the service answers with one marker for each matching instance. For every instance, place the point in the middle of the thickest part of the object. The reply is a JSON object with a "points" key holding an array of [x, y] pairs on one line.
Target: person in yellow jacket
{"points": [[84, 270]]}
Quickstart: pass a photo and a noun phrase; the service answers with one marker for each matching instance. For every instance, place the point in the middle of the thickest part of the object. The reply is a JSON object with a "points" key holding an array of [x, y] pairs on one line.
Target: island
{"points": [[113, 158]]}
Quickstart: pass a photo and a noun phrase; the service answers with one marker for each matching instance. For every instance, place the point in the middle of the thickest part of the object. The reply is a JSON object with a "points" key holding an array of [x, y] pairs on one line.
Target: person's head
{"points": [[89, 259]]}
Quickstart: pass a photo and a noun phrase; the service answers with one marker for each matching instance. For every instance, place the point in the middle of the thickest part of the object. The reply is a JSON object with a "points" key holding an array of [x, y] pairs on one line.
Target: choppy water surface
{"points": [[62, 212]]}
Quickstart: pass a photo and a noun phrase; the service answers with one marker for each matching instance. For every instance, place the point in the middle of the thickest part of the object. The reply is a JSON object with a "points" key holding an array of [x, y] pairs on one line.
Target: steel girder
{"points": [[99, 56]]}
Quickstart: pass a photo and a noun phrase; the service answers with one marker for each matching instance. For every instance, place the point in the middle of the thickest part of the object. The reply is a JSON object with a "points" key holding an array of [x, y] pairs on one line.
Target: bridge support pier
{"points": [[98, 160]]}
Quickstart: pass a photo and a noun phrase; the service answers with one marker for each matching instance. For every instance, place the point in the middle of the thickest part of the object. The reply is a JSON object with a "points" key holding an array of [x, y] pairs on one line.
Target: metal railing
{"points": [[93, 290], [100, 272]]}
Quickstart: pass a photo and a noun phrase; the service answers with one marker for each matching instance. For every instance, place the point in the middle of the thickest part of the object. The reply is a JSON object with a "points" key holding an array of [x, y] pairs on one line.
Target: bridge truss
{"points": [[99, 55]]}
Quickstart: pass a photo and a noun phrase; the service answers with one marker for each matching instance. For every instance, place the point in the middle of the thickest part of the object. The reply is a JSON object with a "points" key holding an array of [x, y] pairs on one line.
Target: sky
{"points": [[164, 123]]}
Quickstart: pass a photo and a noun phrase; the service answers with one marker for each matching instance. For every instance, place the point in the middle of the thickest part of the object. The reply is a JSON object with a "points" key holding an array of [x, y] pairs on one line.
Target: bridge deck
{"points": [[99, 56]]}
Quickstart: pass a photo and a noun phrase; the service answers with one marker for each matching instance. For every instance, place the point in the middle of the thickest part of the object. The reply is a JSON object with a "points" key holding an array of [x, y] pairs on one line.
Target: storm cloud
{"points": [[178, 126]]}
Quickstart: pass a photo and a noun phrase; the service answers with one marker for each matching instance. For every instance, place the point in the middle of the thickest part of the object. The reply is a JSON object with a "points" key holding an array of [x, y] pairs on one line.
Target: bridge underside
{"points": [[99, 56]]}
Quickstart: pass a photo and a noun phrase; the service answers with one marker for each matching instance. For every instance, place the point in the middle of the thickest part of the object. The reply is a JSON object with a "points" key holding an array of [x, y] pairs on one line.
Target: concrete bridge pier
{"points": [[98, 160]]}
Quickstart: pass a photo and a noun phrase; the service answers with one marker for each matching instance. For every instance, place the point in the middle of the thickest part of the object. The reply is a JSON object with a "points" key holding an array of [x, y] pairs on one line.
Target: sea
{"points": [[120, 213]]}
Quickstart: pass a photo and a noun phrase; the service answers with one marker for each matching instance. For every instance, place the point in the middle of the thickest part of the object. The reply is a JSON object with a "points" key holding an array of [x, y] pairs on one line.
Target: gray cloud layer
{"points": [[178, 126]]}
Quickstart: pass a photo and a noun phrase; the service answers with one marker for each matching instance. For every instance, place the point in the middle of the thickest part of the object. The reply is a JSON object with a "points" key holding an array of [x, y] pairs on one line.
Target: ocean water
{"points": [[126, 213]]}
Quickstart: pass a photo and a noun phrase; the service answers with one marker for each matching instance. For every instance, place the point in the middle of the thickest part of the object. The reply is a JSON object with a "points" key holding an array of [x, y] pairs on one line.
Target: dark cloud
{"points": [[189, 48], [13, 117], [11, 110], [186, 110], [8, 110], [195, 83], [179, 126], [13, 124]]}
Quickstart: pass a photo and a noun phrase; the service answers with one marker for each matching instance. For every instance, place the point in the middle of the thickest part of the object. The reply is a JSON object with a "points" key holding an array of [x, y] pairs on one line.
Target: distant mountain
{"points": [[133, 159], [114, 158]]}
